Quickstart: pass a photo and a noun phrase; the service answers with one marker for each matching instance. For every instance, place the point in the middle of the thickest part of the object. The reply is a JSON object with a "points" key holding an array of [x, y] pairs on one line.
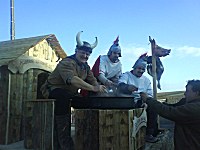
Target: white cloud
{"points": [[134, 50], [186, 50], [130, 54]]}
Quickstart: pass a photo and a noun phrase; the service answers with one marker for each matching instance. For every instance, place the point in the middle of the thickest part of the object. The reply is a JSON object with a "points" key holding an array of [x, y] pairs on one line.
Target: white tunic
{"points": [[108, 68], [143, 83]]}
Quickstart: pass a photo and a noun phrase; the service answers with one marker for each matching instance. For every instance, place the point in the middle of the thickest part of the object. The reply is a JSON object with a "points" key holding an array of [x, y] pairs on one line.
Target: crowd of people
{"points": [[73, 73]]}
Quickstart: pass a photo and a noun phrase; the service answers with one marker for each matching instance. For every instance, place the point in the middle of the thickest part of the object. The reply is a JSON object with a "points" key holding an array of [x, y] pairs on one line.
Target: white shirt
{"points": [[142, 83], [108, 68]]}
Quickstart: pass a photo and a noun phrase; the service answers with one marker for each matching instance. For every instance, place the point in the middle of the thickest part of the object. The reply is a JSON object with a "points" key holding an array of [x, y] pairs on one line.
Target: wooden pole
{"points": [[153, 44]]}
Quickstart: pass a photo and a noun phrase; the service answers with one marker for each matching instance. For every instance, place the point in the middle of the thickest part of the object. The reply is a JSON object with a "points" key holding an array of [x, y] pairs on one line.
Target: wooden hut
{"points": [[24, 66]]}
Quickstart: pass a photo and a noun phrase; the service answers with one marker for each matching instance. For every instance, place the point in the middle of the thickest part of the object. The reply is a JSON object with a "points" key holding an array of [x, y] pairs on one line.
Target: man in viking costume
{"points": [[108, 68], [71, 74], [132, 83]]}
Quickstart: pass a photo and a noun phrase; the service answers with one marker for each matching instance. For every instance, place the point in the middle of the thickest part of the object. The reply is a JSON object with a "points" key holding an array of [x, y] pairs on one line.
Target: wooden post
{"points": [[153, 44]]}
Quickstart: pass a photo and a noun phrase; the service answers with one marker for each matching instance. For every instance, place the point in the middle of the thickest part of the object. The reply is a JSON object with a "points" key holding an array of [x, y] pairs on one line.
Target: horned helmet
{"points": [[141, 61], [85, 45], [115, 48]]}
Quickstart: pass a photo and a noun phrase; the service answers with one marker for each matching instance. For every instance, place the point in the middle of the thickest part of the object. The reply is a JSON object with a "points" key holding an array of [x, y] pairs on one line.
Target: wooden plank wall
{"points": [[22, 87], [86, 130], [31, 88], [107, 130], [12, 107], [27, 112], [114, 129], [16, 90], [41, 125], [4, 77], [29, 94]]}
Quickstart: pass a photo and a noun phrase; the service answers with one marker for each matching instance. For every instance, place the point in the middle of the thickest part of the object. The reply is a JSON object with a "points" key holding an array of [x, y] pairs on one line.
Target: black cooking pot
{"points": [[105, 103]]}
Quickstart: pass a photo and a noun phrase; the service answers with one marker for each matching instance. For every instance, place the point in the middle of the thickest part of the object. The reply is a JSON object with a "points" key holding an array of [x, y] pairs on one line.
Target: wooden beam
{"points": [[153, 43]]}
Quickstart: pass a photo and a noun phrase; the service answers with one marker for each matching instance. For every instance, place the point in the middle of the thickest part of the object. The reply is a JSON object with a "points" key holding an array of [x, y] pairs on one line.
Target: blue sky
{"points": [[174, 24]]}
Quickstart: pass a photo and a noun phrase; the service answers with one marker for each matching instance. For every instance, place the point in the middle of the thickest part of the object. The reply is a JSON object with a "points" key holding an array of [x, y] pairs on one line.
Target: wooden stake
{"points": [[153, 43]]}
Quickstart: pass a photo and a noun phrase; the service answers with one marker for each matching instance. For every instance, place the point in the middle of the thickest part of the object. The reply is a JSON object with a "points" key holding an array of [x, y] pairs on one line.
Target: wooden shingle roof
{"points": [[12, 49]]}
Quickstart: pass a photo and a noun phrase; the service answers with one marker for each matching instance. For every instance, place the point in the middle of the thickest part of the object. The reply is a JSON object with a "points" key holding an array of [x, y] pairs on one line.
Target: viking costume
{"points": [[59, 87], [144, 85], [104, 69]]}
